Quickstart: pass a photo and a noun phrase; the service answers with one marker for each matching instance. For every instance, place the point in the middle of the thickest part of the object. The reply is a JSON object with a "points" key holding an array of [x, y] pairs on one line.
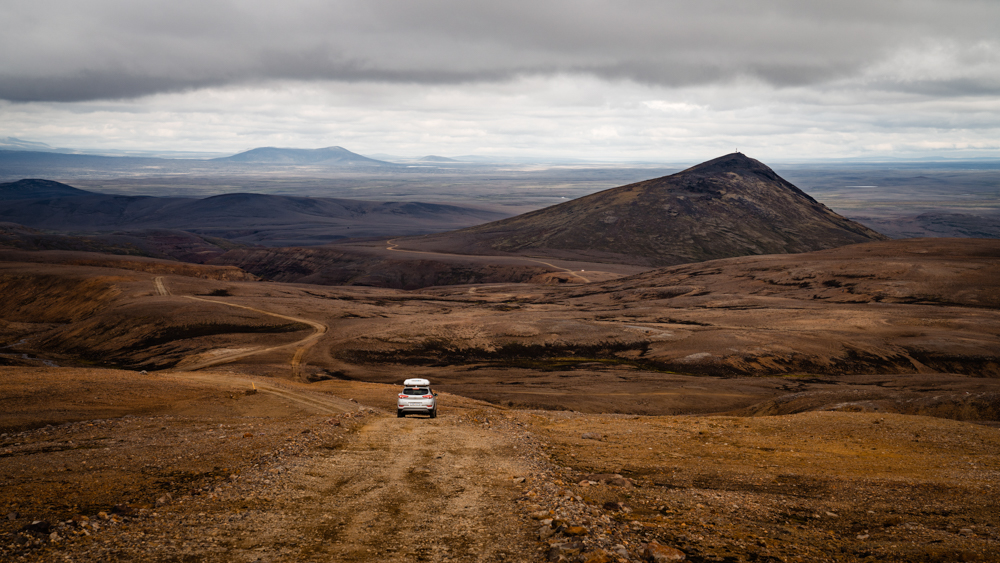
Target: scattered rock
{"points": [[613, 479], [597, 556], [658, 553], [591, 436], [540, 515], [13, 516], [38, 527], [563, 551], [545, 532], [576, 531], [620, 550], [123, 510]]}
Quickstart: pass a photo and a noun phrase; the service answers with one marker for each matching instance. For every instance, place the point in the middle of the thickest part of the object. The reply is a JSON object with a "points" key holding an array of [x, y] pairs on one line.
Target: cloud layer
{"points": [[853, 70], [100, 49]]}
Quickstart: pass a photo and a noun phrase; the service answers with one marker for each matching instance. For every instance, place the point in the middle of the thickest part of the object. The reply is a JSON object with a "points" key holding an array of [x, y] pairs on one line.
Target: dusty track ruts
{"points": [[404, 490]]}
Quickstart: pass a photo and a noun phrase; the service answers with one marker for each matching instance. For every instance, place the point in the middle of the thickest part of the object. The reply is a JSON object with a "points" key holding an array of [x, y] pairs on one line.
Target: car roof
{"points": [[416, 383]]}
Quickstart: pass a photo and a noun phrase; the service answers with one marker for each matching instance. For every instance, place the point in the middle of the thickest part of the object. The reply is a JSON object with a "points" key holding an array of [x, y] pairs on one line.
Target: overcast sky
{"points": [[646, 80]]}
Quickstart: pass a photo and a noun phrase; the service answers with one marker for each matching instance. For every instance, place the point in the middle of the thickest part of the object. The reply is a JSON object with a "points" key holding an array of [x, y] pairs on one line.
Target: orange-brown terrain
{"points": [[840, 405]]}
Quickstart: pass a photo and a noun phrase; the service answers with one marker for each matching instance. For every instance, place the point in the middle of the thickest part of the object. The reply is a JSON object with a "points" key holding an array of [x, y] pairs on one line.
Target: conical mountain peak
{"points": [[732, 162], [729, 206]]}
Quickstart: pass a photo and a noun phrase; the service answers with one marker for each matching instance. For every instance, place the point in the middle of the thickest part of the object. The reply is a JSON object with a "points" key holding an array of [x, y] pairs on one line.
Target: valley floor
{"points": [[753, 409]]}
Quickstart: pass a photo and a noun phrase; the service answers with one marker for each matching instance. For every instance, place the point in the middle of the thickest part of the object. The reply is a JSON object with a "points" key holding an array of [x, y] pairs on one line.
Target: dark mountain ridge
{"points": [[34, 188], [271, 220], [726, 207]]}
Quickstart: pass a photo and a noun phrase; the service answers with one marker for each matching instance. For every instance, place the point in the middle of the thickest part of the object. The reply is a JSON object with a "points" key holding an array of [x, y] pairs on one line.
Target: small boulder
{"points": [[564, 551], [545, 532], [597, 556], [613, 479], [658, 553], [591, 436], [123, 510], [38, 527], [576, 531]]}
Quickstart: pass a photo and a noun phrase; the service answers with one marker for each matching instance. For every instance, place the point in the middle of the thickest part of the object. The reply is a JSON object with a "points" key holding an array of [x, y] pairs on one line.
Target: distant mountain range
{"points": [[26, 161], [270, 220], [726, 207]]}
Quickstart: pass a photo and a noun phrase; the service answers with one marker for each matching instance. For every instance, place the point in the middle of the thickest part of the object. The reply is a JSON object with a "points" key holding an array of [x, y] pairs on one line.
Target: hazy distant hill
{"points": [[27, 162], [329, 156], [15, 144], [252, 218], [433, 158], [729, 206]]}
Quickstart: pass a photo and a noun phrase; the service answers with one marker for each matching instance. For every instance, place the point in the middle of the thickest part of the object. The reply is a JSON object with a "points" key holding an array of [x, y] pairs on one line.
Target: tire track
{"points": [[161, 289], [411, 490]]}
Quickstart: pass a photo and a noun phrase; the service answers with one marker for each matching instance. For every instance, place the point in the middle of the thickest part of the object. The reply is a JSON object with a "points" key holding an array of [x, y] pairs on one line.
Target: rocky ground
{"points": [[212, 473]]}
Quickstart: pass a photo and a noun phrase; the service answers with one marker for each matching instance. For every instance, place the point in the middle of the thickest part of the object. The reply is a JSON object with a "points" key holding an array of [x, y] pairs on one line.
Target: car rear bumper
{"points": [[415, 408]]}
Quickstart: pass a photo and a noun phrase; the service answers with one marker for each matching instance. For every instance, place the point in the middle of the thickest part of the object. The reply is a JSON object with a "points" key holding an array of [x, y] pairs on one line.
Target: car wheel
{"points": [[399, 414], [434, 413]]}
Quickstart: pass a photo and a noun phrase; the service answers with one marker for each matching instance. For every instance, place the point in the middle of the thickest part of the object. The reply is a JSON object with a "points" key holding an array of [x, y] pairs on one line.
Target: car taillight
{"points": [[427, 396], [402, 396]]}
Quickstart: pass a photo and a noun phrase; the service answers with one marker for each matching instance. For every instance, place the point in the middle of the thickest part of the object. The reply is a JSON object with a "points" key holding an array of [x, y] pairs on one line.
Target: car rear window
{"points": [[416, 391]]}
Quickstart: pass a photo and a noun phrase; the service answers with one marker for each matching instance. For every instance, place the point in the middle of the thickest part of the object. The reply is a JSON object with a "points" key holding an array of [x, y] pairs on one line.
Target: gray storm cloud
{"points": [[75, 51]]}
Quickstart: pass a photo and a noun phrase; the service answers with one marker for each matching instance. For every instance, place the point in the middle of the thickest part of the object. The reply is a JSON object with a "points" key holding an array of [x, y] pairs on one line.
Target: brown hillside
{"points": [[727, 207]]}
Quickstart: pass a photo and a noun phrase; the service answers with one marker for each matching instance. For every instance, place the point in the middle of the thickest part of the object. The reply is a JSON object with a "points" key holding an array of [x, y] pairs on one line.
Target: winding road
{"points": [[301, 346]]}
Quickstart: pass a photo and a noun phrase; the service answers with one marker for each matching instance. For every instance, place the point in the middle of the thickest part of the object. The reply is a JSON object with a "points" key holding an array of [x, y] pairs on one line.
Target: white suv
{"points": [[417, 398]]}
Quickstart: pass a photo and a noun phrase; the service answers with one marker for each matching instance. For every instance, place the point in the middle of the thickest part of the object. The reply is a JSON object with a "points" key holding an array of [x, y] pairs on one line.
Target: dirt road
{"points": [[402, 490], [223, 357]]}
